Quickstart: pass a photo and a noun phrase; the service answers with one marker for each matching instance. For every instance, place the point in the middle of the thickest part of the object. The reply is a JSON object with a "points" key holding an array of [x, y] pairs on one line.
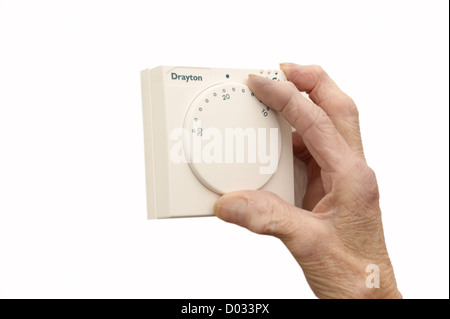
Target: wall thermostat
{"points": [[207, 134]]}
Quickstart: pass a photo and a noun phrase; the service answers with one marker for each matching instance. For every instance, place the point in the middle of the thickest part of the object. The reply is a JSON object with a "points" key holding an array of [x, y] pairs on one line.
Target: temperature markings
{"points": [[265, 111]]}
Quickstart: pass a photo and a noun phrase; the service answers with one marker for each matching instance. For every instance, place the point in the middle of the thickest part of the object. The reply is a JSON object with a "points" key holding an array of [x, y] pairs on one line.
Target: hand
{"points": [[338, 232]]}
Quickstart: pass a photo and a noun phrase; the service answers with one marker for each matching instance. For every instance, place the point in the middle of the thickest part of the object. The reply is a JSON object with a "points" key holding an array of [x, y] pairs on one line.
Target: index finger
{"points": [[324, 92], [319, 134]]}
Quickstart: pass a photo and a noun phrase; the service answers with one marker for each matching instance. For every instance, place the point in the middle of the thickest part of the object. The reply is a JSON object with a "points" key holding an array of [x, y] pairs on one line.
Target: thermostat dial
{"points": [[232, 140]]}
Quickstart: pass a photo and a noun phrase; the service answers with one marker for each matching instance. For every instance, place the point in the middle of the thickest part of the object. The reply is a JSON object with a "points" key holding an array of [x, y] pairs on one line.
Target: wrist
{"points": [[386, 288]]}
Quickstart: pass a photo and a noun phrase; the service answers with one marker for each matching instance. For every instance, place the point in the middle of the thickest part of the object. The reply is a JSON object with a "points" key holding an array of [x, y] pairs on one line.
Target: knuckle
{"points": [[319, 71], [269, 227], [371, 182], [278, 95], [270, 219], [317, 121], [290, 89], [349, 106], [290, 106], [367, 182]]}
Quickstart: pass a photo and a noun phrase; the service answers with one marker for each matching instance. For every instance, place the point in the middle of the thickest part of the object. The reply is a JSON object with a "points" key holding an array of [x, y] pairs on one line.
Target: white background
{"points": [[73, 209]]}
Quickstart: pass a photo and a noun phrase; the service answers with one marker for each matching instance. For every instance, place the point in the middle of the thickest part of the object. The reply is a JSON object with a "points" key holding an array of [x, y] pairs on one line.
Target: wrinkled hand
{"points": [[338, 232]]}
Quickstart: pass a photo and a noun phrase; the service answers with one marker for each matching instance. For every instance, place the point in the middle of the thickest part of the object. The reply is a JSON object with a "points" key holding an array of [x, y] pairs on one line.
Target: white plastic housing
{"points": [[177, 98]]}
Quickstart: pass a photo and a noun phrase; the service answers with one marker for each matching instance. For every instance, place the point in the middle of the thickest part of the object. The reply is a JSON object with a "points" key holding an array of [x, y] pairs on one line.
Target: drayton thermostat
{"points": [[205, 135]]}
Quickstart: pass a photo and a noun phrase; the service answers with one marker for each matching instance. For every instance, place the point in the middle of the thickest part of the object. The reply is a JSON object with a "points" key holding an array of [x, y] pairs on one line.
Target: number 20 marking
{"points": [[226, 97]]}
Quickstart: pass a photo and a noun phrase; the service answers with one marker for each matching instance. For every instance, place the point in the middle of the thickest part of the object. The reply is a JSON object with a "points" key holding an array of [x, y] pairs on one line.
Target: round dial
{"points": [[232, 140]]}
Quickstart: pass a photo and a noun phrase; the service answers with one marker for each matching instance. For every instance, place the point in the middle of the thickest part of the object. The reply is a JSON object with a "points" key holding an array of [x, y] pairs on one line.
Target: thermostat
{"points": [[207, 134]]}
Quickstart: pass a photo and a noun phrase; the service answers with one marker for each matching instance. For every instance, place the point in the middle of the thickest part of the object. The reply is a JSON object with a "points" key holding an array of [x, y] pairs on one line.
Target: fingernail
{"points": [[285, 64], [231, 207], [257, 78]]}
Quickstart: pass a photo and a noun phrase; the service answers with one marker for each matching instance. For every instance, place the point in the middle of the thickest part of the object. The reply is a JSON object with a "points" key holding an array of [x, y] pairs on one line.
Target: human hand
{"points": [[338, 232]]}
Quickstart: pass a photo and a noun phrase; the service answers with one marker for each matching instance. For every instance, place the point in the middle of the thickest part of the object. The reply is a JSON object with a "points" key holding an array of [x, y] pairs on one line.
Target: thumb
{"points": [[262, 212]]}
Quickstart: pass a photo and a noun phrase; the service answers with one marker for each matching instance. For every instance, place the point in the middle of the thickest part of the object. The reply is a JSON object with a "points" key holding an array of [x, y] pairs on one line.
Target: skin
{"points": [[338, 232]]}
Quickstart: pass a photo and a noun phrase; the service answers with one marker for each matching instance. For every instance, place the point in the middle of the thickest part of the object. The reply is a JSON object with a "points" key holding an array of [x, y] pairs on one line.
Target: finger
{"points": [[317, 130], [299, 148], [262, 212], [325, 93]]}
